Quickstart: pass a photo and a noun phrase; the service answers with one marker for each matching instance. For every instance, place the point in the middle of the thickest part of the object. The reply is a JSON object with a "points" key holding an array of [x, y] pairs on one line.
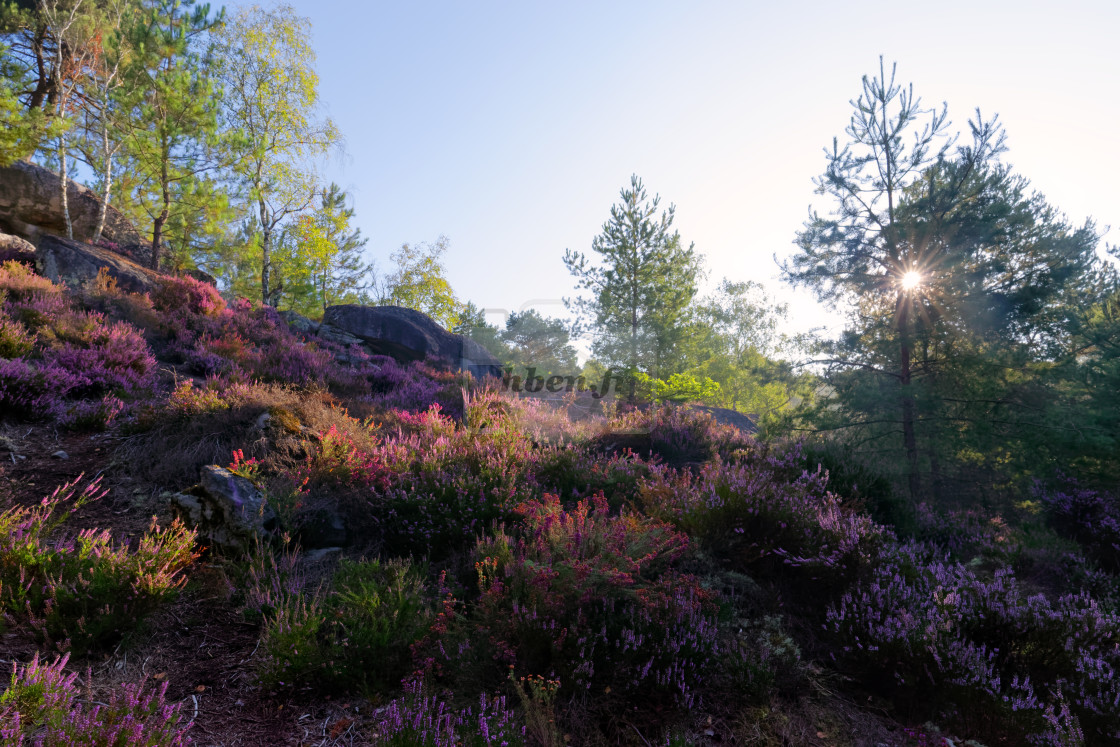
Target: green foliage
{"points": [[540, 342], [640, 287], [319, 260], [960, 285], [419, 282], [352, 637], [83, 590], [21, 130], [266, 66], [679, 388]]}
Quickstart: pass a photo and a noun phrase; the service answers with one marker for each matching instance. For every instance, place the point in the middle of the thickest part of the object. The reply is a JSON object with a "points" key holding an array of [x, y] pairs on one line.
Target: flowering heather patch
{"points": [[18, 282], [966, 533], [83, 590], [677, 433], [751, 515], [588, 596], [935, 631], [76, 368], [420, 720], [41, 706], [179, 294], [413, 387], [1092, 517]]}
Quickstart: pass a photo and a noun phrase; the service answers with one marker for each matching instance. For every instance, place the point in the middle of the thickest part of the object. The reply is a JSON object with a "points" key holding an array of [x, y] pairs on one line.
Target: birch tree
{"points": [[266, 66]]}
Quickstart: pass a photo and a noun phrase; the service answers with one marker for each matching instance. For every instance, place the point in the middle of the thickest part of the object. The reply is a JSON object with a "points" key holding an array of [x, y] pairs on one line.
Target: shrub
{"points": [[41, 707], [185, 294], [753, 517], [589, 597], [19, 282], [83, 590], [1091, 517], [187, 402], [354, 636], [113, 357], [935, 632], [15, 340], [420, 720], [762, 658]]}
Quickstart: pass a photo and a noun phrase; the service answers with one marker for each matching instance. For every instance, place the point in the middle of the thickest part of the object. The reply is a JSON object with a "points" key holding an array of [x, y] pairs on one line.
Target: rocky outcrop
{"points": [[300, 324], [228, 510], [745, 423], [31, 206], [75, 263], [406, 335], [15, 248]]}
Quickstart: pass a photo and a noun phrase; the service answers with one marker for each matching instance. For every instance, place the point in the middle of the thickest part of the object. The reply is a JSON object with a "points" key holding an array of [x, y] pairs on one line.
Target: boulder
{"points": [[75, 263], [228, 510], [15, 248], [202, 276], [31, 206], [407, 335], [298, 323], [723, 416]]}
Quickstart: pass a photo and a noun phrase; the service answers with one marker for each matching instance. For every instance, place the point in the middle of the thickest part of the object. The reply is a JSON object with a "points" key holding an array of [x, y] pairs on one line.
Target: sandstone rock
{"points": [[31, 206], [75, 263], [406, 335], [202, 276], [228, 510], [723, 416], [15, 248], [298, 323]]}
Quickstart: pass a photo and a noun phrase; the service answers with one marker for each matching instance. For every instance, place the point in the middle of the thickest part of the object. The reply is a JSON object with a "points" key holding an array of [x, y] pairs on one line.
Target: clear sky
{"points": [[511, 126]]}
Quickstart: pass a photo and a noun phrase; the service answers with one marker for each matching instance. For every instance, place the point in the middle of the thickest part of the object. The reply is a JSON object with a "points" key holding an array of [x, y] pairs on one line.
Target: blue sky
{"points": [[510, 127]]}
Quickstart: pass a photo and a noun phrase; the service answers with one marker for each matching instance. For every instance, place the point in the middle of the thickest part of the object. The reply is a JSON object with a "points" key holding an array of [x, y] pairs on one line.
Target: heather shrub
{"points": [[15, 340], [679, 435], [19, 282], [588, 596], [186, 401], [73, 367], [446, 488], [82, 590], [859, 485], [185, 294], [752, 517], [1089, 516], [938, 634], [967, 533], [415, 386], [112, 357], [41, 706], [351, 636], [420, 720]]}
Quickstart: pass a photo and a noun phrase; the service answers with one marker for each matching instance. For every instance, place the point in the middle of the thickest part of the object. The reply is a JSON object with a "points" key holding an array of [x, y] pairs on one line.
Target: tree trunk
{"points": [[65, 183], [161, 219], [101, 214], [909, 441]]}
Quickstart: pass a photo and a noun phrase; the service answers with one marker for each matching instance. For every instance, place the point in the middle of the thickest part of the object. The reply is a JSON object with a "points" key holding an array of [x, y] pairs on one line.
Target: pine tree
{"points": [[173, 112], [321, 259], [954, 277], [640, 287]]}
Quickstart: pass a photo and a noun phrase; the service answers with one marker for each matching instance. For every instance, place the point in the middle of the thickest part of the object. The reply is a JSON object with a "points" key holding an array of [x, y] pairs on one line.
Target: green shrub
{"points": [[82, 591], [353, 636]]}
